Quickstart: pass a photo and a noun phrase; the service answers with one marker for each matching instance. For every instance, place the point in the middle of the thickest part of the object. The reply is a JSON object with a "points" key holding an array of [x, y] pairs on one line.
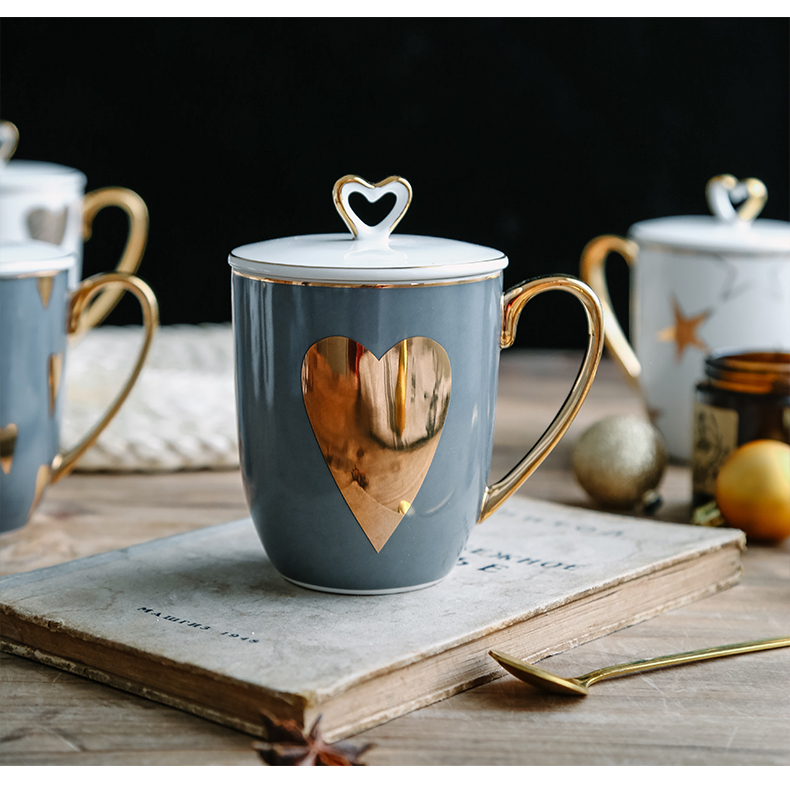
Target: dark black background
{"points": [[528, 135]]}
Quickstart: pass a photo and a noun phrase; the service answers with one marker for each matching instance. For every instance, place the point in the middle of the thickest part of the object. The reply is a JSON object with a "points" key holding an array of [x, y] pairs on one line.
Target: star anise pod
{"points": [[289, 745]]}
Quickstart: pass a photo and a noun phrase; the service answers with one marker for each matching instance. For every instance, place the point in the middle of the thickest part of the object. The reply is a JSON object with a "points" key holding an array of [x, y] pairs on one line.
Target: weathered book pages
{"points": [[203, 622]]}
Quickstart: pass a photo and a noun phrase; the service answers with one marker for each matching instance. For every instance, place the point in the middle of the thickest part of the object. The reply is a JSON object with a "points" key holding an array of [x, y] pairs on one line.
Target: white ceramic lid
{"points": [[40, 175], [727, 230], [17, 176], [367, 255], [29, 257]]}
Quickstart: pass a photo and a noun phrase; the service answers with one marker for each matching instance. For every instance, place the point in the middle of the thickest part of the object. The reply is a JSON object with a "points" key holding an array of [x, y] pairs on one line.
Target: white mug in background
{"points": [[698, 283], [47, 202]]}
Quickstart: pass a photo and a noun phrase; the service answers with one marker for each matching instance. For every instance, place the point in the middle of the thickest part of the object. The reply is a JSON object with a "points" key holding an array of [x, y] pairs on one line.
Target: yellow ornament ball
{"points": [[753, 490]]}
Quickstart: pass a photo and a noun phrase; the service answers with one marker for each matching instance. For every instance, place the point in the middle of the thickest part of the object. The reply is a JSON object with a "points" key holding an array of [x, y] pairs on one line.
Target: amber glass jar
{"points": [[745, 396]]}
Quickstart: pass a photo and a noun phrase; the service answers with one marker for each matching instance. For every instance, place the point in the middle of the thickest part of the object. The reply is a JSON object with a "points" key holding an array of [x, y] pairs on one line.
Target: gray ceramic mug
{"points": [[366, 381], [37, 313]]}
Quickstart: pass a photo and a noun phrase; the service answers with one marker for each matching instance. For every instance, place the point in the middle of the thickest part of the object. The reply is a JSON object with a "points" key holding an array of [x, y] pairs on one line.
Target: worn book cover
{"points": [[203, 622]]}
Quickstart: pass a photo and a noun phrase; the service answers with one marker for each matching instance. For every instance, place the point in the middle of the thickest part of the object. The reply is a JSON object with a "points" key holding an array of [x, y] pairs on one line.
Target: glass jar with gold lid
{"points": [[745, 396]]}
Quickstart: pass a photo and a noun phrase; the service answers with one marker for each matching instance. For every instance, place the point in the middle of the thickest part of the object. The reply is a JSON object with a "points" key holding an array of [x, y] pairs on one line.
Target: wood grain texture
{"points": [[733, 711]]}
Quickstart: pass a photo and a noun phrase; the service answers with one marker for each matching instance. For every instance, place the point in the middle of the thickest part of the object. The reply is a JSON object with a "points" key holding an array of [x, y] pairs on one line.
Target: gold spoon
{"points": [[546, 680]]}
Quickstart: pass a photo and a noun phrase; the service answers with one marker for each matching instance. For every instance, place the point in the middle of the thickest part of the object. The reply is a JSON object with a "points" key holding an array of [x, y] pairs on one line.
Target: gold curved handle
{"points": [[136, 210], [82, 295], [514, 302], [592, 270]]}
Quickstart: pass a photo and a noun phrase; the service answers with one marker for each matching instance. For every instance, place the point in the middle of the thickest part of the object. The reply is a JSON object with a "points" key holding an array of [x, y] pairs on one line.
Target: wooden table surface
{"points": [[733, 711]]}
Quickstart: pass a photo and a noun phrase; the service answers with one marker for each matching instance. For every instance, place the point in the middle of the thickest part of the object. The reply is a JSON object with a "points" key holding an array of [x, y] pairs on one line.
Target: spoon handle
{"points": [[679, 659]]}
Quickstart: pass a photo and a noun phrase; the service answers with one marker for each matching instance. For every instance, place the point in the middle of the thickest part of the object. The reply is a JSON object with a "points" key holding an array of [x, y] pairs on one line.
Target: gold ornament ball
{"points": [[619, 461]]}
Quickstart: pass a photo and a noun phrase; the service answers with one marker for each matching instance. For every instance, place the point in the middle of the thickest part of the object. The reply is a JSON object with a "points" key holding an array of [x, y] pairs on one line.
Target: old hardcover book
{"points": [[203, 622]]}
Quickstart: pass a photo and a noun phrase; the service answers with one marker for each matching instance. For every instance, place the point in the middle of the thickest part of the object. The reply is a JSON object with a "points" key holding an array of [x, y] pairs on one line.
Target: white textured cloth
{"points": [[180, 415]]}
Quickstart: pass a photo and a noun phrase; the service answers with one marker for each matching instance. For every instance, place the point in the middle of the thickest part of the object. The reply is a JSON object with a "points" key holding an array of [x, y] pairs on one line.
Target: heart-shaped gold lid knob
{"points": [[372, 192]]}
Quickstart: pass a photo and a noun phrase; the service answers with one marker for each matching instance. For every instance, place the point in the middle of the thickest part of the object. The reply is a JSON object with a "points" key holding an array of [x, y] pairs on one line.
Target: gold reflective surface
{"points": [[592, 271], [53, 378], [44, 224], [580, 685], [80, 304], [366, 187], [44, 285], [278, 281], [8, 435], [514, 302], [42, 480], [685, 331], [377, 422], [137, 211]]}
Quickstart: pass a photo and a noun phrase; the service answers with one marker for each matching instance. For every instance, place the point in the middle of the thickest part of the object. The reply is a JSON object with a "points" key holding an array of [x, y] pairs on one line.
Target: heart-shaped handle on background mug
{"points": [[373, 192], [592, 270], [136, 210], [9, 138], [514, 302], [723, 190], [80, 304]]}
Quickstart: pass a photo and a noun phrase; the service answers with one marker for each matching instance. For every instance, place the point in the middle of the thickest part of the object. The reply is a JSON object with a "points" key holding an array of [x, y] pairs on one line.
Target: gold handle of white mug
{"points": [[136, 210], [593, 272], [82, 295], [513, 303]]}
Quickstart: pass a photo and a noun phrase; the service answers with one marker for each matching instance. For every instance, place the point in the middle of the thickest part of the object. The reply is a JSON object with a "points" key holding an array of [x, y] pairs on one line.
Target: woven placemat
{"points": [[181, 414]]}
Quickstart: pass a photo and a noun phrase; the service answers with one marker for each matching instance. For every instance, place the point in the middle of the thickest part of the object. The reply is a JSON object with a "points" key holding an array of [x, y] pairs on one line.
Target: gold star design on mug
{"points": [[684, 331]]}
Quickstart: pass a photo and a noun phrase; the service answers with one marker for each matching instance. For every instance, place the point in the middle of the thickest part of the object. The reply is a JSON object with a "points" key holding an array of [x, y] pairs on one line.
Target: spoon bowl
{"points": [[580, 686], [538, 677]]}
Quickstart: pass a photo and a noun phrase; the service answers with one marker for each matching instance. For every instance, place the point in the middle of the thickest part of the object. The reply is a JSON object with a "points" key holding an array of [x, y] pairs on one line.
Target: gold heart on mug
{"points": [[377, 422], [46, 225], [53, 379]]}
